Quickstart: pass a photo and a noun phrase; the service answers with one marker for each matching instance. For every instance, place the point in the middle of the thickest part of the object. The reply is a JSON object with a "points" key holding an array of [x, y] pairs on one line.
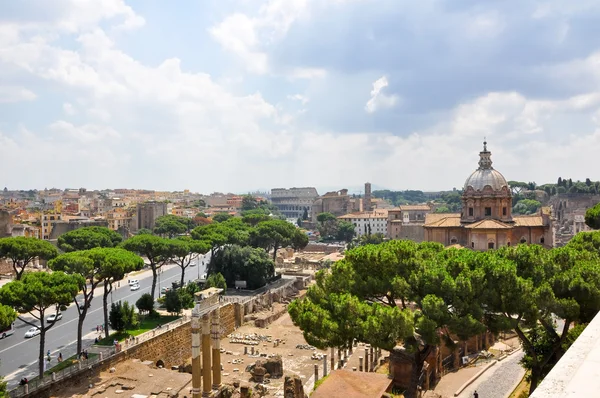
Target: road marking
{"points": [[76, 319]]}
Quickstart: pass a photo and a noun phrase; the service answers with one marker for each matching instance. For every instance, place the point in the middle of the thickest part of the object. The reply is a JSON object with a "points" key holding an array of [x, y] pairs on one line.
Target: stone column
{"points": [[316, 373], [196, 364], [206, 362], [360, 364], [332, 358], [324, 365], [339, 358], [216, 348], [372, 357], [366, 359]]}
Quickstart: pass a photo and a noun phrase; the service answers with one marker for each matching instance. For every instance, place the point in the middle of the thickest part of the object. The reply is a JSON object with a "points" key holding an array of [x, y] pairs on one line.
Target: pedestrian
{"points": [[96, 340], [60, 358], [97, 328], [475, 394]]}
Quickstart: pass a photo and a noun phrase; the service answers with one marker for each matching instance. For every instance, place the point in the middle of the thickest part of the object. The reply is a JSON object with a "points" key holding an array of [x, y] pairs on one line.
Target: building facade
{"points": [[293, 202], [368, 222], [486, 221], [407, 222], [148, 212]]}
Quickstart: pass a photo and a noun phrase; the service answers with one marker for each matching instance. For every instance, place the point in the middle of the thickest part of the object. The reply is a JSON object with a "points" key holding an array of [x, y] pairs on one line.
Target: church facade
{"points": [[486, 221]]}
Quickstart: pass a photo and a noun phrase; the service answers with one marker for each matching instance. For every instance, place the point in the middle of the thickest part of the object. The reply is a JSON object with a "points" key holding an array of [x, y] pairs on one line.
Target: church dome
{"points": [[485, 175], [481, 178]]}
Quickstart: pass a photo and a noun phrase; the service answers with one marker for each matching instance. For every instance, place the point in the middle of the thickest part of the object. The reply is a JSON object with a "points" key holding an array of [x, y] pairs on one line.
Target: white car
{"points": [[54, 317], [32, 332], [132, 282], [135, 287]]}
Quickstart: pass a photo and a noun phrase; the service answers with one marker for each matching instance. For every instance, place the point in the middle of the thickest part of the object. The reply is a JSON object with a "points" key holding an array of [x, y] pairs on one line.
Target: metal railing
{"points": [[88, 364]]}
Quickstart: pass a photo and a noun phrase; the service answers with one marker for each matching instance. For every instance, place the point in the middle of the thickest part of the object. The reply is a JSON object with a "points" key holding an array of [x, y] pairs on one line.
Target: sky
{"points": [[244, 95]]}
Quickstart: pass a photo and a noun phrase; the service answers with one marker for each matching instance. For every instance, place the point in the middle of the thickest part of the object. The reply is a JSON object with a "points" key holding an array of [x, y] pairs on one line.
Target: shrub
{"points": [[115, 317], [173, 302], [145, 303], [130, 318]]}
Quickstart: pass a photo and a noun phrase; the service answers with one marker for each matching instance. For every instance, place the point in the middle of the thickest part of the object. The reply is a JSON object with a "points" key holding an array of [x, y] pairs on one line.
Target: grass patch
{"points": [[522, 390], [65, 364], [319, 382], [146, 324]]}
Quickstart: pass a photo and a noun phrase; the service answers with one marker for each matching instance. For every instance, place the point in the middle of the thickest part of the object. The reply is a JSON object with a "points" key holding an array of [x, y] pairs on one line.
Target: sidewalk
{"points": [[31, 370]]}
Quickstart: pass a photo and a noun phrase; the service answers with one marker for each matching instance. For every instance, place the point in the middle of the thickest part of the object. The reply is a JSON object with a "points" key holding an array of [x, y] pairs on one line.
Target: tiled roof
{"points": [[488, 224], [442, 220], [528, 221], [347, 384], [414, 207]]}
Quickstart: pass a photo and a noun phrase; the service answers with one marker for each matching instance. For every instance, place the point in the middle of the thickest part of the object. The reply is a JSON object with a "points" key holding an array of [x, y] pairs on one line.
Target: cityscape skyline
{"points": [[228, 96]]}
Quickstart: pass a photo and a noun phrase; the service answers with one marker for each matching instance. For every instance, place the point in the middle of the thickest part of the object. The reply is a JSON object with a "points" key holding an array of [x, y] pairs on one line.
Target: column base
{"points": [[216, 386]]}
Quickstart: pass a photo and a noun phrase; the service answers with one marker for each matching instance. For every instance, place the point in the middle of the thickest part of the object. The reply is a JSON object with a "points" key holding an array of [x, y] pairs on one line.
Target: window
{"points": [[453, 241], [504, 211], [472, 245], [488, 211], [542, 240], [490, 245], [523, 240], [470, 212], [508, 244]]}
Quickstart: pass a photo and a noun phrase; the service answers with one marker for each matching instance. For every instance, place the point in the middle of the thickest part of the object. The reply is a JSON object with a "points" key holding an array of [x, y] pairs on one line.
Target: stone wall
{"points": [[5, 224], [568, 211]]}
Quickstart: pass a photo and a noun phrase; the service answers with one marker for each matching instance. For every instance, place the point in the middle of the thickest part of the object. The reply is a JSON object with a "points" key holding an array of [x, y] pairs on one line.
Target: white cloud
{"points": [[380, 100], [298, 97], [15, 94], [69, 109], [307, 73]]}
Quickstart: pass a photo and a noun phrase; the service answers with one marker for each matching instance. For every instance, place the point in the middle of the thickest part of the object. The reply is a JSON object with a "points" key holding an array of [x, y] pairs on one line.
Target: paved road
{"points": [[499, 381], [18, 353]]}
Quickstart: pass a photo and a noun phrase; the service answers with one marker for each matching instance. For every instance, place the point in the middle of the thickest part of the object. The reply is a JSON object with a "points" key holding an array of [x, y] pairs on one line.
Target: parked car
{"points": [[135, 287], [165, 290], [54, 317], [32, 332], [132, 282]]}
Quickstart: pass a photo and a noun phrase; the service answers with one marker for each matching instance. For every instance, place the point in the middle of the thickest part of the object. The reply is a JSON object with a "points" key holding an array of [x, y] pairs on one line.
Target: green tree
{"points": [[220, 217], [145, 303], [273, 235], [7, 317], [130, 317], [249, 202], [526, 284], [171, 225], [592, 216], [366, 297], [115, 317], [116, 263], [184, 251], [442, 209], [345, 231], [305, 214], [40, 294], [22, 251], [244, 264], [526, 206], [253, 217], [328, 225], [216, 280], [173, 302], [144, 231], [87, 238], [233, 231], [154, 248], [299, 222]]}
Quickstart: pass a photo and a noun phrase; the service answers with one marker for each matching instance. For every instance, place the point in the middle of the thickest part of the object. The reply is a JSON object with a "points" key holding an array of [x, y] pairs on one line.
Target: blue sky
{"points": [[238, 95]]}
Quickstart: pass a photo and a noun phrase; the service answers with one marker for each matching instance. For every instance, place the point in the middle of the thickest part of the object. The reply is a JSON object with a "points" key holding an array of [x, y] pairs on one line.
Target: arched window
{"points": [[542, 240], [508, 244], [523, 240], [453, 240], [472, 245], [490, 245]]}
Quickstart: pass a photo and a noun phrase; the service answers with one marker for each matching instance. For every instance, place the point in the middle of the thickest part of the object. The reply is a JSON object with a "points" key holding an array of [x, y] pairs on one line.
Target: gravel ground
{"points": [[499, 381]]}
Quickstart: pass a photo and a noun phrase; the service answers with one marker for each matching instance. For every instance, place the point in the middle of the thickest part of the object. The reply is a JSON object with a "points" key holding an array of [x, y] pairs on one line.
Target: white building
{"points": [[368, 222]]}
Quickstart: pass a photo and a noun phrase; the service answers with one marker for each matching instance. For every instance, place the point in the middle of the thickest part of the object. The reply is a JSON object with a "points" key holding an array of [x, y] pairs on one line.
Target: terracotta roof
{"points": [[414, 207], [442, 220], [348, 384], [488, 224], [528, 221]]}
